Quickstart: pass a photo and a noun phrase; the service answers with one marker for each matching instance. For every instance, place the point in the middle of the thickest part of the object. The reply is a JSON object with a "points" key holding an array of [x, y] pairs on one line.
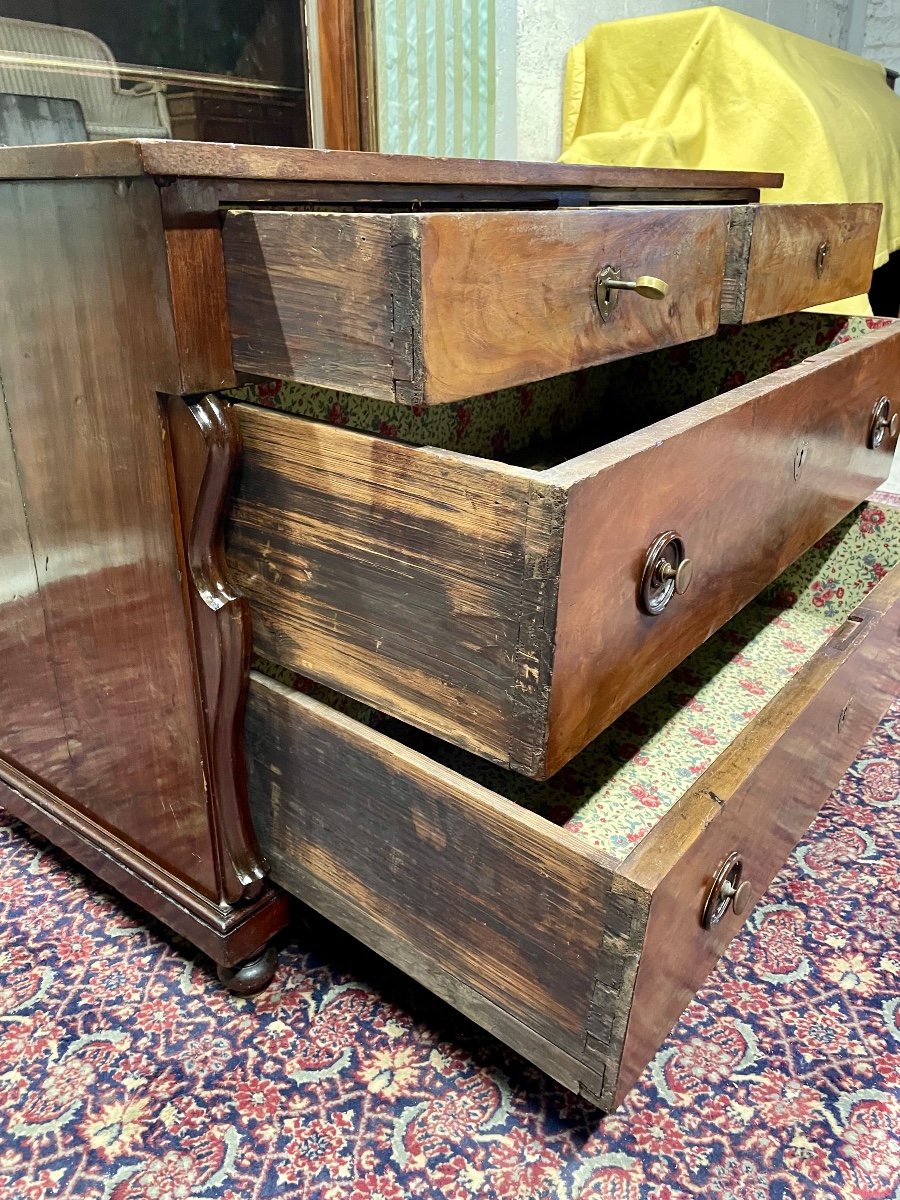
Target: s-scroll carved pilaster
{"points": [[205, 448]]}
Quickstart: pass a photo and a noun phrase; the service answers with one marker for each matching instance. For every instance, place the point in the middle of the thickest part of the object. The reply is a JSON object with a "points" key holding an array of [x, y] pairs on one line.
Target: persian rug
{"points": [[127, 1073]]}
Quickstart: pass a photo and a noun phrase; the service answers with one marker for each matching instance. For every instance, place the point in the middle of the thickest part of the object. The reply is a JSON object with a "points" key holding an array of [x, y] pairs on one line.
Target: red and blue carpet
{"points": [[127, 1073]]}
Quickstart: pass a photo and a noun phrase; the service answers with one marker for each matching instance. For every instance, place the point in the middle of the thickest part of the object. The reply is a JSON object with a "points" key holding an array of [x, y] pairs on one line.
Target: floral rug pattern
{"points": [[127, 1073]]}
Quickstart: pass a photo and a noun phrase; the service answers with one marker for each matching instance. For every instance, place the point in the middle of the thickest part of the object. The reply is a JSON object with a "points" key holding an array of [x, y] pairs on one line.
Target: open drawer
{"points": [[575, 919], [430, 307], [518, 601]]}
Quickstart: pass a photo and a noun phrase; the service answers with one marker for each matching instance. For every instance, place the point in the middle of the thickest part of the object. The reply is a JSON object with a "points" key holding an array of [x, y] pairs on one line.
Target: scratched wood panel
{"points": [[408, 855], [414, 579], [430, 308], [226, 161], [31, 719], [581, 964], [785, 271], [724, 476]]}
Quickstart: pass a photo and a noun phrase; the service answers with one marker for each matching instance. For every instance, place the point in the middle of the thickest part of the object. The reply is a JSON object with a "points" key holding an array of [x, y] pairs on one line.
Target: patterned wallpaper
{"points": [[436, 76]]}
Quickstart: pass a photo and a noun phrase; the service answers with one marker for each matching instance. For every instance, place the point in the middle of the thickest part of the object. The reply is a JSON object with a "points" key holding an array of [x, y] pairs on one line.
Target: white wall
{"points": [[882, 34], [545, 29]]}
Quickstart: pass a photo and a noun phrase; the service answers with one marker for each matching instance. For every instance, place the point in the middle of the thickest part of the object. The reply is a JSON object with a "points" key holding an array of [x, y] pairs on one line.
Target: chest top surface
{"points": [[205, 160]]}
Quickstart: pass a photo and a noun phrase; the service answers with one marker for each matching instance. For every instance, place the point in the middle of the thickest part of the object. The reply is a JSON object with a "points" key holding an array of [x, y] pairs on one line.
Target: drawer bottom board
{"points": [[580, 959]]}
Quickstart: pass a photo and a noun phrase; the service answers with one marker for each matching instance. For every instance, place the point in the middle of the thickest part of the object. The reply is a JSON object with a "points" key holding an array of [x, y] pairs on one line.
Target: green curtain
{"points": [[436, 77]]}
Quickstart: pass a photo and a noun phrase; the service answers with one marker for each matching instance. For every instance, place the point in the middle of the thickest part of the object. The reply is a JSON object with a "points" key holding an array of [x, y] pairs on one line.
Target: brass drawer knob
{"points": [[728, 890], [883, 422], [610, 283], [667, 571]]}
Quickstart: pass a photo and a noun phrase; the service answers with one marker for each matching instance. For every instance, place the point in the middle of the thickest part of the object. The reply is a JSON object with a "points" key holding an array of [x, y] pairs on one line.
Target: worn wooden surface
{"points": [[414, 579], [449, 305], [770, 784], [376, 568], [722, 476], [193, 239], [782, 274], [212, 160], [518, 924], [102, 738], [437, 873]]}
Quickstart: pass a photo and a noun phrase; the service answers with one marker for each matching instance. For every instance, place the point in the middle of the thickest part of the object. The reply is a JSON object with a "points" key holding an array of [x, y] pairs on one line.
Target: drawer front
{"points": [[748, 485], [797, 256], [755, 802], [429, 308]]}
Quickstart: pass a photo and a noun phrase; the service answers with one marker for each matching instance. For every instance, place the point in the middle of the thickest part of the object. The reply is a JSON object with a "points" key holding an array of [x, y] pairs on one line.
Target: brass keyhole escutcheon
{"points": [[610, 282], [884, 422], [842, 715], [667, 571], [800, 458], [822, 253], [729, 889]]}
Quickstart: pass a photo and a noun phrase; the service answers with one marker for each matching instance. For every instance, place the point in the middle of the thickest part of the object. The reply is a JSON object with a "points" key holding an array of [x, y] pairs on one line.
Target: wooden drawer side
{"points": [[492, 907], [435, 307], [421, 582]]}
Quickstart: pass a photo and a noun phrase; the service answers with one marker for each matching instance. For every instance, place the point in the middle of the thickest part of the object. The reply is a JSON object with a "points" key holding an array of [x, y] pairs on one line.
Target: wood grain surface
{"points": [[721, 474], [193, 239], [417, 580], [518, 924], [103, 743], [757, 799], [88, 338], [437, 873], [228, 161], [449, 305], [782, 274], [375, 567]]}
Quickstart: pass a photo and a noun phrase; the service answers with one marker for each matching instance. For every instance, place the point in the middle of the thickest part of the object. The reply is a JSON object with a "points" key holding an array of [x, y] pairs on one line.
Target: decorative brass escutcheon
{"points": [[667, 571], [610, 282], [822, 257], [728, 890], [883, 422]]}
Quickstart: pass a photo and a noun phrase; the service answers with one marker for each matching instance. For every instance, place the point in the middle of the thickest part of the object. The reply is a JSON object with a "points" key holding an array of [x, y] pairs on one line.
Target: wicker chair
{"points": [[110, 111]]}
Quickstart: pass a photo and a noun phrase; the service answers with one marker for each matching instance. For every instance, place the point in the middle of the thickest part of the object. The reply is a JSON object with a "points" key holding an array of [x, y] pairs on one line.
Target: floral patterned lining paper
{"points": [[617, 789], [538, 425]]}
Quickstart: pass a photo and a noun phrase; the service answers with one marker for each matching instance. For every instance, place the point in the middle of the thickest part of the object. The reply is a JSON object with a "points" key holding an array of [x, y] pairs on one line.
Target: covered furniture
{"points": [[711, 88]]}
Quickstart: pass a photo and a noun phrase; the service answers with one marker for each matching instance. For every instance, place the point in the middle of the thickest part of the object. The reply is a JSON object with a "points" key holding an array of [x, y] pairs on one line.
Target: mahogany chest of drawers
{"points": [[539, 437]]}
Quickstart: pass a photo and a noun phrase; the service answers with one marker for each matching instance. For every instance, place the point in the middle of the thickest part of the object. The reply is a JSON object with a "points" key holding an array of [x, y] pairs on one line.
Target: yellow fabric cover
{"points": [[714, 89]]}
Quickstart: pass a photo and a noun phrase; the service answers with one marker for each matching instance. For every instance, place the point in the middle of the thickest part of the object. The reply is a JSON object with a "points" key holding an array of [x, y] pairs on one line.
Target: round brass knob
{"points": [[740, 901], [883, 422], [728, 890], [667, 571], [682, 574], [651, 287], [609, 283]]}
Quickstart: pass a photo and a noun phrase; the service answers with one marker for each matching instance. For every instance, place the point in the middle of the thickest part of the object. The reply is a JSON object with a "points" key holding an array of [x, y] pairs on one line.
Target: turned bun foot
{"points": [[250, 977]]}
